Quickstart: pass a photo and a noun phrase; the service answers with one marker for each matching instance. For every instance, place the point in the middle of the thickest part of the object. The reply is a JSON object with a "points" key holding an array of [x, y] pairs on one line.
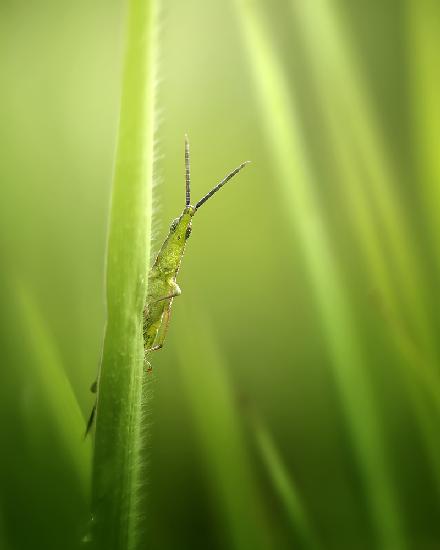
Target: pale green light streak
{"points": [[423, 24]]}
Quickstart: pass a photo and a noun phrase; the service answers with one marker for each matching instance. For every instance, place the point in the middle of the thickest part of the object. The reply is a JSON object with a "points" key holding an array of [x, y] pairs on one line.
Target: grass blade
{"points": [[423, 27], [295, 175], [117, 463], [58, 394], [40, 412], [320, 18], [331, 52], [217, 425], [284, 486]]}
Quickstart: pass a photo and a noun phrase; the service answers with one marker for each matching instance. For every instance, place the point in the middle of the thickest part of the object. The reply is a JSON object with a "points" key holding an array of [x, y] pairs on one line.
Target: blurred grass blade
{"points": [[423, 28], [328, 41], [44, 464], [58, 394], [221, 440], [117, 461], [417, 364], [294, 173], [423, 24], [285, 487]]}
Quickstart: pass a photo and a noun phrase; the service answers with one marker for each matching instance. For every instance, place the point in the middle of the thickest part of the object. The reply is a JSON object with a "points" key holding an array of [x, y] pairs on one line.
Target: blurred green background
{"points": [[297, 400]]}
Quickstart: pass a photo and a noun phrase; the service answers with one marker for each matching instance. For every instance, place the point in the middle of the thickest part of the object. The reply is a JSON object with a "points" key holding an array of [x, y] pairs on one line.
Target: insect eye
{"points": [[188, 232], [174, 225]]}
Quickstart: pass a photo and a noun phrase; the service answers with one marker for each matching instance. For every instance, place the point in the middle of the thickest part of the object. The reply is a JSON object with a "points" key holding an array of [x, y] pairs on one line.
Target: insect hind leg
{"points": [[162, 332], [176, 292]]}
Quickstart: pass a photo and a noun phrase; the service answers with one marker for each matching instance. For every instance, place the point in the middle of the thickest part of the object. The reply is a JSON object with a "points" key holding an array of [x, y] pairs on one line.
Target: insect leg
{"points": [[176, 292], [162, 333], [147, 363]]}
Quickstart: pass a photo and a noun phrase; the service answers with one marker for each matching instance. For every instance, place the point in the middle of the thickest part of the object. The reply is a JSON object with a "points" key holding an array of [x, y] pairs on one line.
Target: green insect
{"points": [[162, 285]]}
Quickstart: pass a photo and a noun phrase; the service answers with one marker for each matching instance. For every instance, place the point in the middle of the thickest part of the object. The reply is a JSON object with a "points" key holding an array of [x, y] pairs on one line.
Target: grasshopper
{"points": [[162, 285]]}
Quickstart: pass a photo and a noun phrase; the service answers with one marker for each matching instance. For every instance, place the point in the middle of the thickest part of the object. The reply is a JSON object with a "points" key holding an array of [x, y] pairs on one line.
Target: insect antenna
{"points": [[187, 173], [220, 185]]}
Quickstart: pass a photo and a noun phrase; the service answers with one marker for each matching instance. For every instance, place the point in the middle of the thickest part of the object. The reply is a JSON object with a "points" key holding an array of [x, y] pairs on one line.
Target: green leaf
{"points": [[118, 439]]}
